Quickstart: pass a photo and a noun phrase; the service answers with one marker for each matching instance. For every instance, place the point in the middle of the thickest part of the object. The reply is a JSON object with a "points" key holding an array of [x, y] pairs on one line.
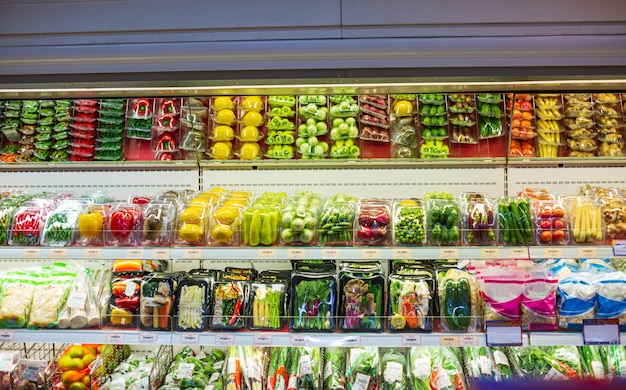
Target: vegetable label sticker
{"points": [[500, 358], [361, 382], [394, 372], [304, 366], [485, 365], [185, 370], [442, 380], [31, 373], [76, 300], [421, 367], [553, 375]]}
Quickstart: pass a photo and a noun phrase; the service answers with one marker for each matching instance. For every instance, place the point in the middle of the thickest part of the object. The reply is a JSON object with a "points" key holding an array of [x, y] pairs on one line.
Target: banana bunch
{"points": [[553, 114], [547, 102], [587, 221]]}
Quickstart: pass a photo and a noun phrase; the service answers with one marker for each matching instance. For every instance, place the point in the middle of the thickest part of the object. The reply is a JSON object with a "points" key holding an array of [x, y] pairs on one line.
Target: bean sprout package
{"points": [[611, 297], [577, 300], [539, 302], [501, 292], [17, 295], [49, 297]]}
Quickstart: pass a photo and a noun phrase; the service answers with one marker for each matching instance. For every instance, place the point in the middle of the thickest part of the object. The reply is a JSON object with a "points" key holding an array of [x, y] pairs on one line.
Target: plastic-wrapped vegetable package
{"points": [[244, 368], [49, 297], [267, 306], [260, 222], [157, 298], [443, 218], [158, 218], [363, 288], [538, 304], [502, 363], [28, 223], [193, 303], [547, 363], [435, 368], [229, 304], [515, 221], [192, 224], [501, 293], [409, 223], [393, 367], [191, 369], [411, 298], [91, 225], [615, 356], [577, 300], [298, 219], [81, 309], [611, 297], [124, 302], [479, 226], [363, 368], [132, 374], [277, 374], [480, 364], [334, 369], [226, 220], [593, 362], [18, 289], [313, 301], [125, 223], [336, 221], [61, 223], [373, 222], [458, 301], [305, 368]]}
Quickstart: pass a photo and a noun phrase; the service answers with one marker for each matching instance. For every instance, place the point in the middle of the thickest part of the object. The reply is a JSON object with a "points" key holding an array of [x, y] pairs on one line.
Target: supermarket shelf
{"points": [[562, 338], [566, 162], [85, 336], [100, 165]]}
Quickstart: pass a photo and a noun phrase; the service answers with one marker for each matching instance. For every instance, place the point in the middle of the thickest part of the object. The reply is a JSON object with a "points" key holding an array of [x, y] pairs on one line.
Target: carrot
{"points": [[164, 314], [408, 311]]}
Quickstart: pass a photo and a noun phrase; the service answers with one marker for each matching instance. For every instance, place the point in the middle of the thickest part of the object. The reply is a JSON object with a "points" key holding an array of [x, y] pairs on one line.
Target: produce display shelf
{"points": [[562, 338], [99, 165], [85, 336], [308, 253]]}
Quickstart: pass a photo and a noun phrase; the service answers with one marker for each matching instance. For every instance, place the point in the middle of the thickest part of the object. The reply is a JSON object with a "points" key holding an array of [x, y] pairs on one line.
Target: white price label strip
{"points": [[411, 341], [299, 341], [449, 341], [31, 253], [224, 339], [601, 331], [468, 341], [350, 341], [148, 338], [161, 253], [519, 253], [57, 253], [402, 253], [331, 253], [296, 253], [448, 253], [587, 252], [266, 254], [490, 253], [190, 339], [135, 253], [115, 338], [504, 333], [93, 253], [553, 253], [7, 337], [262, 340], [370, 253], [192, 253]]}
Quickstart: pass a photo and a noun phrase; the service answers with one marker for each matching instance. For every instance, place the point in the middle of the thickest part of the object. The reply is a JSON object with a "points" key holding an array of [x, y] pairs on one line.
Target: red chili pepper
{"points": [[238, 305], [128, 303], [122, 224], [166, 157]]}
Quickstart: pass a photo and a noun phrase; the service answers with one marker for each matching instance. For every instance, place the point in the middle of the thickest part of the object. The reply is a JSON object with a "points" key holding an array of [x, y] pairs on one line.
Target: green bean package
{"points": [[267, 307], [313, 301], [362, 287], [411, 298], [615, 356], [61, 223], [193, 305]]}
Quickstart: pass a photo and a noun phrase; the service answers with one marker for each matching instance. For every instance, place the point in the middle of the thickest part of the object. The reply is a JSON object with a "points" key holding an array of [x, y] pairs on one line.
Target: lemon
{"points": [[249, 134], [249, 151], [403, 108], [221, 150], [226, 117], [223, 133], [252, 119], [252, 103], [222, 233], [199, 201], [223, 103], [226, 215], [193, 214], [235, 203]]}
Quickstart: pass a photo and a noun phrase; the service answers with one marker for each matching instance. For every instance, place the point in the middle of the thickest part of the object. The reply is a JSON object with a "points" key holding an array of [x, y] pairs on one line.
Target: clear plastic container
{"points": [[409, 223], [373, 222]]}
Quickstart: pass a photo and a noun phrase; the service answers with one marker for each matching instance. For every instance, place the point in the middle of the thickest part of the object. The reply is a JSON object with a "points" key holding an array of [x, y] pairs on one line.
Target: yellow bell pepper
{"points": [[90, 224], [120, 317]]}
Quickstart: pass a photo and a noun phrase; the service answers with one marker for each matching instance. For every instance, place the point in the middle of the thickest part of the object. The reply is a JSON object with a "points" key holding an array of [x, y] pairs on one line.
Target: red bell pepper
{"points": [[142, 108], [127, 303], [122, 224]]}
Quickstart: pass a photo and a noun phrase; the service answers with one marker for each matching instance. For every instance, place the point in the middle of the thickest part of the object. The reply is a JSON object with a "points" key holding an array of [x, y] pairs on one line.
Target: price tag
{"points": [[553, 253], [587, 252], [57, 253], [619, 247], [266, 253], [331, 253], [489, 253], [350, 341], [190, 339], [296, 253], [115, 338], [31, 372], [370, 253], [601, 331], [504, 333], [468, 341], [135, 253], [192, 253], [185, 370], [449, 341], [161, 254], [448, 253], [92, 253], [7, 337], [148, 338], [76, 300], [402, 253], [262, 340], [31, 253], [519, 253], [299, 341], [224, 339], [411, 341]]}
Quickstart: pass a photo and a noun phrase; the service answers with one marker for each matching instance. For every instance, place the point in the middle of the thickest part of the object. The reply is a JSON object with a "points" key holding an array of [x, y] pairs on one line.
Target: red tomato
{"points": [[558, 235], [558, 212], [545, 224], [546, 212], [545, 236], [558, 223]]}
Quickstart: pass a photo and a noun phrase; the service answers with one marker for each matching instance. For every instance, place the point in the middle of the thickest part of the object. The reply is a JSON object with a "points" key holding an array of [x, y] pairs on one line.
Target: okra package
{"points": [[313, 301], [267, 307], [229, 304], [363, 290], [411, 289], [459, 308], [193, 303], [157, 300]]}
